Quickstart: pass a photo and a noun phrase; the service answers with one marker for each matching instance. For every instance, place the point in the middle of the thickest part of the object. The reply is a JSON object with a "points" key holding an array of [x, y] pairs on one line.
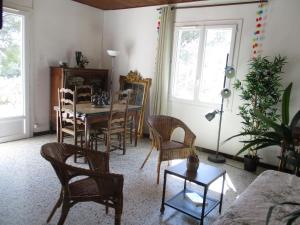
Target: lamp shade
{"points": [[229, 72], [210, 116], [112, 53], [225, 93]]}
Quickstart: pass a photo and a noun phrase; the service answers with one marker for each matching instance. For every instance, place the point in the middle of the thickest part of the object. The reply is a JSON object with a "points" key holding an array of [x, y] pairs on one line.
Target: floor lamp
{"points": [[113, 54], [225, 93]]}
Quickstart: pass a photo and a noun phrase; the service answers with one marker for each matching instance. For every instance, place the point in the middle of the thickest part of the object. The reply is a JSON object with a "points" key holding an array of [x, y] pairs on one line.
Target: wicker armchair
{"points": [[161, 129], [100, 186]]}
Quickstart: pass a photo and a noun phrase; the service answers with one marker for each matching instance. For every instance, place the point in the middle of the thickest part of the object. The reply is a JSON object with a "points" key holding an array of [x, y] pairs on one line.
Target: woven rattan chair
{"points": [[161, 129], [100, 186]]}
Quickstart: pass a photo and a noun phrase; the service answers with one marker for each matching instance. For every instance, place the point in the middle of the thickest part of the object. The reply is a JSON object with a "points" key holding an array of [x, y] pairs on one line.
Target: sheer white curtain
{"points": [[163, 61]]}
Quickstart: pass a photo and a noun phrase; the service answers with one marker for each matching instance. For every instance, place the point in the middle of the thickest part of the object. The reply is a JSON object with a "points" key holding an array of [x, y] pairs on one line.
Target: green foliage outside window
{"points": [[10, 51]]}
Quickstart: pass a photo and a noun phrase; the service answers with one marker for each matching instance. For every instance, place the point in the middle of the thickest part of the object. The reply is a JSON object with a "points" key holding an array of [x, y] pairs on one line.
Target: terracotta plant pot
{"points": [[250, 163], [192, 163]]}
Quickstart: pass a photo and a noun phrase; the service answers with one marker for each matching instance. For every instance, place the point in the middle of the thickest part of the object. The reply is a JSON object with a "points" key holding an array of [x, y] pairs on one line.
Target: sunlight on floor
{"points": [[217, 185]]}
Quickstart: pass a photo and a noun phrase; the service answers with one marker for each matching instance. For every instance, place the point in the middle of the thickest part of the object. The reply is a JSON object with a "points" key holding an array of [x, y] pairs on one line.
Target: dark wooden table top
{"points": [[205, 175]]}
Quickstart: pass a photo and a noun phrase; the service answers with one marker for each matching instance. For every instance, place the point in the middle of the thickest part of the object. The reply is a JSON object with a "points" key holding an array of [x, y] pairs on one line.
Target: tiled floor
{"points": [[29, 188]]}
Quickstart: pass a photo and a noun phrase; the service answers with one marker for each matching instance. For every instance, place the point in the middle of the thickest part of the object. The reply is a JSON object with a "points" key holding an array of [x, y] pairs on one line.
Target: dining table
{"points": [[92, 115]]}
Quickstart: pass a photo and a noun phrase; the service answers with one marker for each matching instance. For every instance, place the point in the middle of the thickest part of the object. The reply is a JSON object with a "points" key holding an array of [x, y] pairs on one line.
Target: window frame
{"points": [[236, 25]]}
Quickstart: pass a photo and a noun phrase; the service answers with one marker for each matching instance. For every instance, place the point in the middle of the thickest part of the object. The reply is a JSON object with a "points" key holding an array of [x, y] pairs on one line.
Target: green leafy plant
{"points": [[290, 218], [260, 92], [280, 134]]}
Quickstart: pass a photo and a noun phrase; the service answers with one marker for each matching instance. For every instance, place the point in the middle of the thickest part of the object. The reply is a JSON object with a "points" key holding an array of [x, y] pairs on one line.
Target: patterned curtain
{"points": [[163, 61]]}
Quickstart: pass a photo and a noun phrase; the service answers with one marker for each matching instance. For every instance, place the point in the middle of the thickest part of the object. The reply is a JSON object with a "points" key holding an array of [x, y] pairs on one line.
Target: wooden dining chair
{"points": [[71, 124], [114, 134], [161, 129], [98, 185], [140, 91]]}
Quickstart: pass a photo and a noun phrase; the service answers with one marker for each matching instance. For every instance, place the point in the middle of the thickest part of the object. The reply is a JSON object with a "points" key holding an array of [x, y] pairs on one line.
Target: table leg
{"points": [[203, 207], [221, 198], [57, 126], [86, 133], [136, 124], [162, 209], [184, 187]]}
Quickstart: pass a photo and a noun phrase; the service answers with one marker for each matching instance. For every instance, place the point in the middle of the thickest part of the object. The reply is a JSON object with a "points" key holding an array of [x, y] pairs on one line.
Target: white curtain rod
{"points": [[215, 5]]}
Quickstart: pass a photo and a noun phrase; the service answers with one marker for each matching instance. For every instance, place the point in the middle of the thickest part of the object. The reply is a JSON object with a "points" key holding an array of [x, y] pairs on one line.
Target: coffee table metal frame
{"points": [[180, 203]]}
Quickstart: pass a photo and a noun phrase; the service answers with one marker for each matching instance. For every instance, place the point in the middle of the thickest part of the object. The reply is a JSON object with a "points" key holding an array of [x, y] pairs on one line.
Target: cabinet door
{"points": [[98, 79]]}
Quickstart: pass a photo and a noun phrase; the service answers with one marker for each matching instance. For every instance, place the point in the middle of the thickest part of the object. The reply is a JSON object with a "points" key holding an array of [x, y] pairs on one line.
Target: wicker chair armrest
{"points": [[157, 137], [189, 137], [76, 172]]}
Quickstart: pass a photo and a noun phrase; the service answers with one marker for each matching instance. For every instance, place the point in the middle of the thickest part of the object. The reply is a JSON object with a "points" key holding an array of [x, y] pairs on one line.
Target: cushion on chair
{"points": [[173, 145]]}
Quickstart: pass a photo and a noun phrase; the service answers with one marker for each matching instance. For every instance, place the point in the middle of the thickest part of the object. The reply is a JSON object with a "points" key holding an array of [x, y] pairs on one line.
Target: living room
{"points": [[145, 39]]}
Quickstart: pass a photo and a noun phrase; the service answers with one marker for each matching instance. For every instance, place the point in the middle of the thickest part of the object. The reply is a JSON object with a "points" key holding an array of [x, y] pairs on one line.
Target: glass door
{"points": [[13, 80]]}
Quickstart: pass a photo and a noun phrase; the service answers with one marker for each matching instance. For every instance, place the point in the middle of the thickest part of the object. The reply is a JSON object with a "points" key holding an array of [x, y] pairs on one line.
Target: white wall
{"points": [[59, 28], [133, 33]]}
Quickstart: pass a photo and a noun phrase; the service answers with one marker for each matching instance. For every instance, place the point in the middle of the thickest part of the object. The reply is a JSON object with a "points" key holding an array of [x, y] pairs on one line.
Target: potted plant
{"points": [[260, 92], [192, 162], [278, 134]]}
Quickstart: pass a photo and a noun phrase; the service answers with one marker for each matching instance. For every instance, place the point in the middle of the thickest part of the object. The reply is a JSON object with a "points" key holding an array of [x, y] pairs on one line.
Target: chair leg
{"points": [[106, 209], [81, 141], [64, 213], [75, 139], [158, 172], [75, 143], [146, 158], [61, 137], [57, 205], [96, 144], [91, 144], [118, 219], [124, 143], [131, 130], [108, 143]]}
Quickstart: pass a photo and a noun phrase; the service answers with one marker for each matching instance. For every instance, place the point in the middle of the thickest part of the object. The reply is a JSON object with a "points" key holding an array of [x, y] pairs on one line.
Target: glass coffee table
{"points": [[205, 176]]}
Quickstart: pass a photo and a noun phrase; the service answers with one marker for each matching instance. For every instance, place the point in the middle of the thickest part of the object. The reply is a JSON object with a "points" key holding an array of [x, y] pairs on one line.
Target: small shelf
{"points": [[184, 205]]}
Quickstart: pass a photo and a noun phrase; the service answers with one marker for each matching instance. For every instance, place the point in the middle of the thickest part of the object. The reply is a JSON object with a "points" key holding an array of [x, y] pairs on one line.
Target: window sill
{"points": [[204, 105]]}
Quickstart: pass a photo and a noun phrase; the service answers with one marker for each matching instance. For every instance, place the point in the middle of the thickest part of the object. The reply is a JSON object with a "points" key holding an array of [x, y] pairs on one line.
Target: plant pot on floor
{"points": [[250, 163]]}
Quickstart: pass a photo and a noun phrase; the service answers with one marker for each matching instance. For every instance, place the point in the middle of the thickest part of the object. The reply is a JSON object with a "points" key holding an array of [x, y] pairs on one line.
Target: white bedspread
{"points": [[267, 189]]}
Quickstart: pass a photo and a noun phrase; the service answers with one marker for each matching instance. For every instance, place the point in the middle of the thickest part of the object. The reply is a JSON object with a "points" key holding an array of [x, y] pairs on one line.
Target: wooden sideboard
{"points": [[71, 77]]}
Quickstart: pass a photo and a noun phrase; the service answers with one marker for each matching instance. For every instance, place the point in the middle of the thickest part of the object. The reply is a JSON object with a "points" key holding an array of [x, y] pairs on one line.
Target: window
{"points": [[14, 75], [199, 61], [11, 66]]}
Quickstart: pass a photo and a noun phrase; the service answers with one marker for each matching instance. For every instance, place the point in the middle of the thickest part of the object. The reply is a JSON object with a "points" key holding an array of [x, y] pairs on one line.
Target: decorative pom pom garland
{"points": [[158, 21], [259, 34]]}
